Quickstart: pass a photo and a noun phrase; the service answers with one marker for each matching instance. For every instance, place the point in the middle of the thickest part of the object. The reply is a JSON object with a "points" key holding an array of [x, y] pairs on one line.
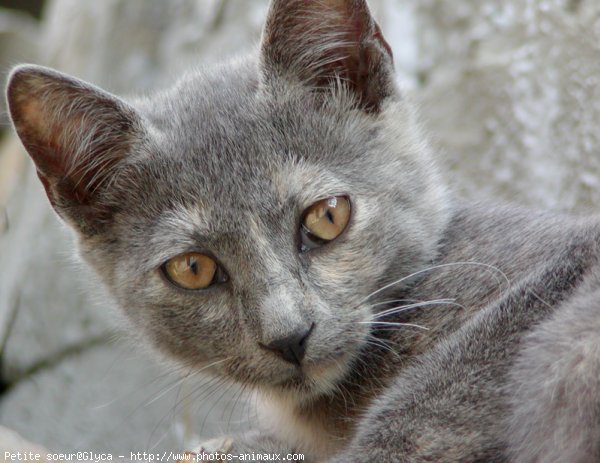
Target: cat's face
{"points": [[243, 218]]}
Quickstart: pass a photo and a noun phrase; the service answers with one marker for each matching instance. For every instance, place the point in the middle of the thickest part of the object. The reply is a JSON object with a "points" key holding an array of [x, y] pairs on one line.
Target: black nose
{"points": [[291, 348]]}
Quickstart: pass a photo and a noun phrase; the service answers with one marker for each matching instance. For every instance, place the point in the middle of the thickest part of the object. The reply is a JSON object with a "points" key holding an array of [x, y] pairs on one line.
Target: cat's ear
{"points": [[326, 42], [76, 135]]}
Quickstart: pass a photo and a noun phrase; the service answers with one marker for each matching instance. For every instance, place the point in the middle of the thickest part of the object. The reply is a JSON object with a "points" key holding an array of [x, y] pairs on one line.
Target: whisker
{"points": [[251, 405], [166, 390], [539, 298], [374, 341], [339, 388], [404, 308], [435, 267], [242, 394], [175, 382], [204, 390], [390, 301], [167, 416], [181, 400], [212, 387], [215, 403], [143, 388], [196, 372], [408, 325]]}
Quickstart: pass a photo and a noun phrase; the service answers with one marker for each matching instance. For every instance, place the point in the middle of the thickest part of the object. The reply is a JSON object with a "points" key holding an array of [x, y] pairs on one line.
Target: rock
{"points": [[17, 447], [19, 36], [111, 398], [511, 91]]}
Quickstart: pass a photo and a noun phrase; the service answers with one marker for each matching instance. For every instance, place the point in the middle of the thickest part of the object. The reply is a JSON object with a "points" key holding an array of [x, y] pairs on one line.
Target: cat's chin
{"points": [[314, 380], [326, 375]]}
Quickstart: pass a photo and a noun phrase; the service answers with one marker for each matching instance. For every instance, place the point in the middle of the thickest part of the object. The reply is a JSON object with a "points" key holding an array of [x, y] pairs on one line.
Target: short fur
{"points": [[443, 331]]}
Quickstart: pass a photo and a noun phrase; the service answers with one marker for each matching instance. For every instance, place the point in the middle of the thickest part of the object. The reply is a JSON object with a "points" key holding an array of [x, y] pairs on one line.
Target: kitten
{"points": [[279, 221]]}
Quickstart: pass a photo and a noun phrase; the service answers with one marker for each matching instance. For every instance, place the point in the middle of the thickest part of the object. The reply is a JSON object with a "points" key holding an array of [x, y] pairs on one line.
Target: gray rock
{"points": [[511, 90], [19, 36], [111, 398]]}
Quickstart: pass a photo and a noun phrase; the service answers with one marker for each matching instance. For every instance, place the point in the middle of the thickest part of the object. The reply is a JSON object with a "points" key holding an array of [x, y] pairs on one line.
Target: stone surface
{"points": [[14, 444], [112, 398], [511, 90], [19, 37]]}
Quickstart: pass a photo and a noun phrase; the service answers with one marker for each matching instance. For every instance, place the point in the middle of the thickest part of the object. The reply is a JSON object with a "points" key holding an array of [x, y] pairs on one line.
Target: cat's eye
{"points": [[193, 270], [323, 222]]}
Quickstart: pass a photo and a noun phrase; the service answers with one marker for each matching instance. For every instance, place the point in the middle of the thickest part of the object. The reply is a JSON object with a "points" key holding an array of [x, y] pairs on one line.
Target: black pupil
{"points": [[329, 216], [193, 265]]}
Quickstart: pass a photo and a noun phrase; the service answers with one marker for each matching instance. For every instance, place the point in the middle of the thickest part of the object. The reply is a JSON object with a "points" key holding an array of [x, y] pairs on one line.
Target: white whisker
{"points": [[452, 264], [409, 325], [374, 341], [196, 372], [390, 301], [404, 308]]}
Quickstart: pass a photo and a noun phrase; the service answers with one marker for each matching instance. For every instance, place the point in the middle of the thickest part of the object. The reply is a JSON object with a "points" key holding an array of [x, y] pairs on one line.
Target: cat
{"points": [[279, 221]]}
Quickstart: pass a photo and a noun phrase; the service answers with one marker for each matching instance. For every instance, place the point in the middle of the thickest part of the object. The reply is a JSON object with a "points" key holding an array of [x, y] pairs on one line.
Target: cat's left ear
{"points": [[329, 42]]}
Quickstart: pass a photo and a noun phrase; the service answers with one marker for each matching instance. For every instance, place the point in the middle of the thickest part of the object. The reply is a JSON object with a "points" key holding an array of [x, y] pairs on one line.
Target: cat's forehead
{"points": [[231, 213], [221, 138]]}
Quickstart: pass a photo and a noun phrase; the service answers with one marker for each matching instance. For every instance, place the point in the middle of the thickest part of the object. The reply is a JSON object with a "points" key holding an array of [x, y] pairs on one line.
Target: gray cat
{"points": [[279, 221]]}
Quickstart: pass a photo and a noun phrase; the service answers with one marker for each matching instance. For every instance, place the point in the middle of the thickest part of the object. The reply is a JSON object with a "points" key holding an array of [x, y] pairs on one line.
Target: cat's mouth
{"points": [[319, 373]]}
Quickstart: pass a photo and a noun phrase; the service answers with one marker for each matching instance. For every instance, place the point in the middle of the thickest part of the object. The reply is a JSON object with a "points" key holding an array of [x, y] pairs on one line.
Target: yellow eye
{"points": [[324, 221], [192, 271]]}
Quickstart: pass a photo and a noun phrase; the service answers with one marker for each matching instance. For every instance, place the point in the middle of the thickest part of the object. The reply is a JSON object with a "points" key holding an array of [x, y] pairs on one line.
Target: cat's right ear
{"points": [[77, 135], [329, 43]]}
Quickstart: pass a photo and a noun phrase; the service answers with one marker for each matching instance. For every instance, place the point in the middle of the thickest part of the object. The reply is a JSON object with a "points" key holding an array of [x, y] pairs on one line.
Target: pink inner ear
{"points": [[40, 136], [75, 133], [321, 42], [365, 27]]}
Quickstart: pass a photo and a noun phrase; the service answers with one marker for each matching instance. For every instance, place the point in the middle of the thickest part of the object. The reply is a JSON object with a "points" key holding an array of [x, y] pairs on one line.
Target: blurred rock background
{"points": [[508, 89]]}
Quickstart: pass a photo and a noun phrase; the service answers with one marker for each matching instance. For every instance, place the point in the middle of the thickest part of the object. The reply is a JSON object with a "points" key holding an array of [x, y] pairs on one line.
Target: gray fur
{"points": [[556, 406], [225, 163]]}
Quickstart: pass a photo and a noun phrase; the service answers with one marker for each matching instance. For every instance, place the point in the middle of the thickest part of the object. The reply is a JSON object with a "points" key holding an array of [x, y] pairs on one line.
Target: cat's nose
{"points": [[293, 347]]}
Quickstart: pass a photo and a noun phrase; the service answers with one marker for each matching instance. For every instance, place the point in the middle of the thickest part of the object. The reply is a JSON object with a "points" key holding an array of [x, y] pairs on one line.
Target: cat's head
{"points": [[243, 217]]}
